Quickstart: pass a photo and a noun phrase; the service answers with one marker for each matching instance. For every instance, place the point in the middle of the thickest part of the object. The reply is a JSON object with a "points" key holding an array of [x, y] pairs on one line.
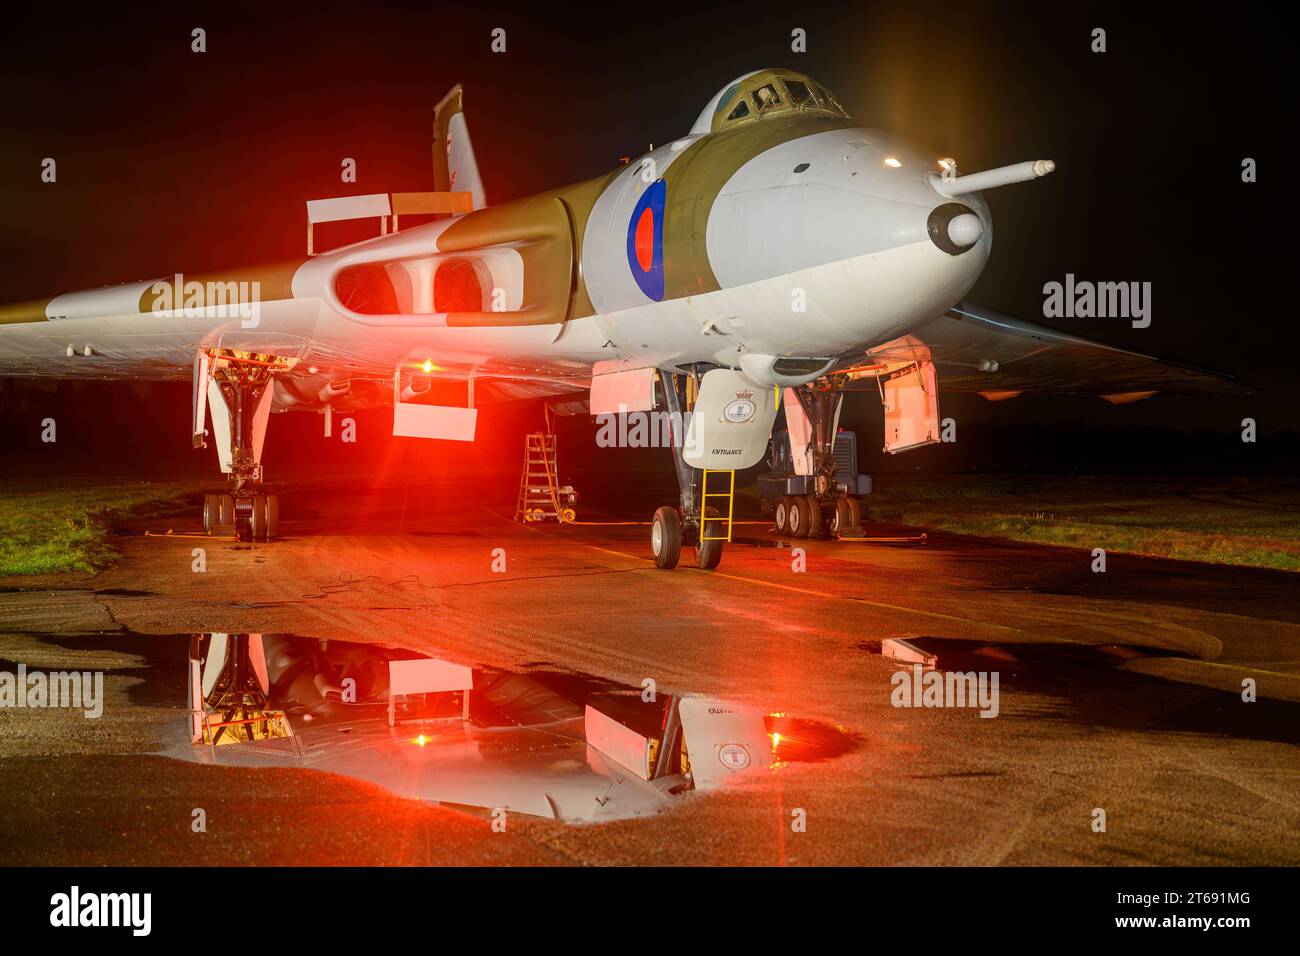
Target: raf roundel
{"points": [[645, 241]]}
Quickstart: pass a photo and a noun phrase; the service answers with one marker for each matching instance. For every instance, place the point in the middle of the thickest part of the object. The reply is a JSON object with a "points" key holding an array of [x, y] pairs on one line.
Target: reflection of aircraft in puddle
{"points": [[436, 731]]}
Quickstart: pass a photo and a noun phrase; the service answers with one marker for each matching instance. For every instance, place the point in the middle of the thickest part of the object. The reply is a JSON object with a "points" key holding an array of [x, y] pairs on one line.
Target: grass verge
{"points": [[1252, 522], [51, 530]]}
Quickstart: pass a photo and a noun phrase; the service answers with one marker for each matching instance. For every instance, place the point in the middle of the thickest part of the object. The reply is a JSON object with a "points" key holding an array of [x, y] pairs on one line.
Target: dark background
{"points": [[174, 161]]}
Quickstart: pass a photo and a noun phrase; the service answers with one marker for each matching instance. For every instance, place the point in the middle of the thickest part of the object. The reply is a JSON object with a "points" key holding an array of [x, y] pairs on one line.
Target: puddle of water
{"points": [[545, 742], [1099, 691]]}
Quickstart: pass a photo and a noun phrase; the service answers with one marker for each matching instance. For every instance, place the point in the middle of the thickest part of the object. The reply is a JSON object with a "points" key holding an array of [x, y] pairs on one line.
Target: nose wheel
{"points": [[708, 553], [666, 538], [667, 535]]}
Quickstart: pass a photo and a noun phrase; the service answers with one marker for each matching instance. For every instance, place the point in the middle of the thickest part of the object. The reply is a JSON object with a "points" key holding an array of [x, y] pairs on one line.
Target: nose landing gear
{"points": [[690, 525]]}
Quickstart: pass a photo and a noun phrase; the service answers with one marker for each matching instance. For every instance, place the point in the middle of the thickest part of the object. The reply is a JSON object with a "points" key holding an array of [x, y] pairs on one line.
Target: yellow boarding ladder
{"points": [[729, 494]]}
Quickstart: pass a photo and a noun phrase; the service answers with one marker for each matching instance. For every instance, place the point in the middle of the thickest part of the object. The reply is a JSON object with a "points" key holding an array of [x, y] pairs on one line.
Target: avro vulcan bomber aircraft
{"points": [[777, 252]]}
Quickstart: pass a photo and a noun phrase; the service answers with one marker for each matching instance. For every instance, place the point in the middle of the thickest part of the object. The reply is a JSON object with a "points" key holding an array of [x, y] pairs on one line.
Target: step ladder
{"points": [[539, 491], [707, 524]]}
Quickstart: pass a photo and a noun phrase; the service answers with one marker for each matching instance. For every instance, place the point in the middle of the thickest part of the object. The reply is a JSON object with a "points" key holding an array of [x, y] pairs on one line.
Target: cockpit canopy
{"points": [[766, 93]]}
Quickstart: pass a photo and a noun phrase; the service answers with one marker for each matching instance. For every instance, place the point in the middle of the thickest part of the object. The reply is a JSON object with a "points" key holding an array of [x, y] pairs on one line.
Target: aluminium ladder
{"points": [[538, 492]]}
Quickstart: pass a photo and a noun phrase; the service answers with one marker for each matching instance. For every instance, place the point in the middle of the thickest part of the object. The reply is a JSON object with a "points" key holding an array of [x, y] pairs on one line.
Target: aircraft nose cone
{"points": [[965, 230], [954, 228]]}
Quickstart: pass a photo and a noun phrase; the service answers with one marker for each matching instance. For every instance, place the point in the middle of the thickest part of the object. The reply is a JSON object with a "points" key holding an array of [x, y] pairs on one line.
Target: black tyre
{"points": [[225, 510], [799, 517], [666, 538], [257, 522], [815, 521], [272, 517], [783, 515], [842, 519], [709, 551], [211, 507]]}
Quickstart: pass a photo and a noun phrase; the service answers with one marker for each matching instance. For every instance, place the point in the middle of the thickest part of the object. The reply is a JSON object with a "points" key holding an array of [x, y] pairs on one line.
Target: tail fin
{"points": [[454, 166]]}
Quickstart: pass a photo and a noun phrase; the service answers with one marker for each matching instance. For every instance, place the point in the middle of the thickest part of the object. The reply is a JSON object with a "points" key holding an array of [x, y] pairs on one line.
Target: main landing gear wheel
{"points": [[799, 516], [272, 517], [814, 516], [257, 522], [845, 517], [709, 551], [265, 520], [211, 508], [666, 538], [225, 510], [783, 516]]}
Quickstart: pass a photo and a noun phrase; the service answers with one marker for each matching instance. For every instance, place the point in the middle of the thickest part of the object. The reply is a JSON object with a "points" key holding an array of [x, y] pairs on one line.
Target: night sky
{"points": [[174, 161]]}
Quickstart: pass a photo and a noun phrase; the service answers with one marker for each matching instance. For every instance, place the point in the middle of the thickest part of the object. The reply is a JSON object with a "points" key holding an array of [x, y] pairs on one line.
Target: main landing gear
{"points": [[811, 500], [700, 529], [807, 516], [237, 388], [254, 517]]}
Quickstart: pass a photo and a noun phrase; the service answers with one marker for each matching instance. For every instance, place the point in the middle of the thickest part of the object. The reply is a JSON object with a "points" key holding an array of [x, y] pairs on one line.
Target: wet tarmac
{"points": [[1120, 692]]}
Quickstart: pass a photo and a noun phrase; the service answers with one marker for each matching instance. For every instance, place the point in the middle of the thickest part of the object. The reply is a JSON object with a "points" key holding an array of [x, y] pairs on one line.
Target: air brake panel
{"points": [[614, 393]]}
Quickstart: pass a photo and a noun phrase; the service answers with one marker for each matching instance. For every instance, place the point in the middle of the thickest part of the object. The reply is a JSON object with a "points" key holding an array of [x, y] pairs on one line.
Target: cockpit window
{"points": [[782, 95], [831, 102], [725, 98], [766, 96], [800, 95], [741, 110]]}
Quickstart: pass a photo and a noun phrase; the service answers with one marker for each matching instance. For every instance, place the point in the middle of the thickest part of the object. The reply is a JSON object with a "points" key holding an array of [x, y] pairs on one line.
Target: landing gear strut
{"points": [[690, 524], [237, 388]]}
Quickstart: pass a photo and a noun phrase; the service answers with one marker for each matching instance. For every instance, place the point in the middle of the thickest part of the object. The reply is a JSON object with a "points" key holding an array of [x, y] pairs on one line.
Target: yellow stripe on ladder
{"points": [[729, 494]]}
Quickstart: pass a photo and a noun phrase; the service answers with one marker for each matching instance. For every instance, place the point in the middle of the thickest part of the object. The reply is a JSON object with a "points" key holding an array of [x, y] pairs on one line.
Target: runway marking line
{"points": [[824, 594]]}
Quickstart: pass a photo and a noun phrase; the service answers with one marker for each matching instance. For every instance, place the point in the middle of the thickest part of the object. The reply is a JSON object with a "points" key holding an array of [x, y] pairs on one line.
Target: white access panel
{"points": [[911, 409], [723, 739], [731, 422]]}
